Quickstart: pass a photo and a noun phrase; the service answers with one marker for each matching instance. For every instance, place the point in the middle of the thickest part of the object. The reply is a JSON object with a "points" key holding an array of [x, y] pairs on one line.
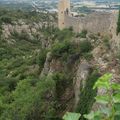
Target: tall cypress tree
{"points": [[118, 24]]}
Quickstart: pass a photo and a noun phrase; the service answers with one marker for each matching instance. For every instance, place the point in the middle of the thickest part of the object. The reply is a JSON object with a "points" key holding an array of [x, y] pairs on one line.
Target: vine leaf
{"points": [[71, 116]]}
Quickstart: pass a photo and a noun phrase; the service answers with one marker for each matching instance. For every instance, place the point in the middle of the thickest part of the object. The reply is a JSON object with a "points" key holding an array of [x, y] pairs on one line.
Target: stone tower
{"points": [[63, 9]]}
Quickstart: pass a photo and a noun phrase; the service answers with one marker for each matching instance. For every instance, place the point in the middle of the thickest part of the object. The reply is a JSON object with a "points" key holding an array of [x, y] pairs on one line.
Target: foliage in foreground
{"points": [[110, 101], [87, 94], [29, 100]]}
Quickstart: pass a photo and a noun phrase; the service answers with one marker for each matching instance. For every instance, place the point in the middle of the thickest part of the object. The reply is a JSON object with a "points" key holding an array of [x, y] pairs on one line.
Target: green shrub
{"points": [[65, 34], [106, 41], [88, 56], [21, 36], [9, 84], [85, 46], [59, 48], [15, 63], [6, 19], [118, 24], [62, 82], [87, 95], [82, 34], [66, 48], [71, 116], [41, 57], [31, 102], [0, 28]]}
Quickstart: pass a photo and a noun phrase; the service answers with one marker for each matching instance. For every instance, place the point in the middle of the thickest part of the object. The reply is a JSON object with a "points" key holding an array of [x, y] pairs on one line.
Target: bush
{"points": [[35, 103], [82, 34], [0, 28], [87, 95], [88, 56], [65, 34], [8, 84], [106, 42], [59, 48], [62, 82], [41, 57], [85, 46], [67, 48], [118, 24], [21, 36], [6, 19]]}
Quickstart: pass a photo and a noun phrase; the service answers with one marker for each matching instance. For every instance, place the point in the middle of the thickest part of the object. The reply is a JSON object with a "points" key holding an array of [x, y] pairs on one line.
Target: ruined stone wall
{"points": [[115, 41], [99, 22], [95, 22], [73, 22]]}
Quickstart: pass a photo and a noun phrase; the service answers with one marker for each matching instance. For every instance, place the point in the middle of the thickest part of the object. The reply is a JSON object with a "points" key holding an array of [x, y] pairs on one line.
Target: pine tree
{"points": [[118, 24]]}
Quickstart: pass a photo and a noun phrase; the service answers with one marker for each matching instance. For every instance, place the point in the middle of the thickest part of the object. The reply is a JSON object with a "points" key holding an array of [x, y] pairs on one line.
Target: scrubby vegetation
{"points": [[26, 91], [87, 93], [106, 41], [110, 102], [118, 24], [82, 34]]}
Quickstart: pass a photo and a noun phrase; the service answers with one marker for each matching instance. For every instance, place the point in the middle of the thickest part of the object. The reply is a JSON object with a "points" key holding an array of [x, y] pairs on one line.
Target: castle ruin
{"points": [[97, 22], [102, 23]]}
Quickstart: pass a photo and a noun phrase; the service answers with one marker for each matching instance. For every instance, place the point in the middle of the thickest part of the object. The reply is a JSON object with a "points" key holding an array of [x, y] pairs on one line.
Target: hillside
{"points": [[45, 72]]}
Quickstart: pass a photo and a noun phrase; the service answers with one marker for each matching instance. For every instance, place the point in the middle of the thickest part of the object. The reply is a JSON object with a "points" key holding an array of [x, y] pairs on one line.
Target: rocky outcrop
{"points": [[17, 27], [82, 73], [115, 41], [51, 65]]}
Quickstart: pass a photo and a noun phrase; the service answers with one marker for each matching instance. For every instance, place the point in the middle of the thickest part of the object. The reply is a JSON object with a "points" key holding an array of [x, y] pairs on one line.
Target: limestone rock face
{"points": [[79, 80], [8, 29], [46, 67], [51, 66]]}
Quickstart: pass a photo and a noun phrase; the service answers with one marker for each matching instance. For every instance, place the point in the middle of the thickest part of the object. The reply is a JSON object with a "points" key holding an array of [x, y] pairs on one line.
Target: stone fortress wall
{"points": [[95, 22], [104, 23], [98, 23]]}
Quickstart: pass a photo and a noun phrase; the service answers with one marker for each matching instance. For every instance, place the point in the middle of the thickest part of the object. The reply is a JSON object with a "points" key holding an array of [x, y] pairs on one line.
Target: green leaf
{"points": [[92, 115], [103, 82], [117, 108], [103, 99], [115, 86], [106, 111], [71, 116], [116, 98]]}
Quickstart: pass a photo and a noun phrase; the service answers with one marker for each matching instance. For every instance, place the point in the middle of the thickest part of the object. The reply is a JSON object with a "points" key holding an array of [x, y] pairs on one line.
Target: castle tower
{"points": [[63, 9]]}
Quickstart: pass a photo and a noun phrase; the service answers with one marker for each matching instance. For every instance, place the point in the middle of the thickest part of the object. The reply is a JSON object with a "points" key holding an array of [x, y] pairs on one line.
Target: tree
{"points": [[118, 24], [71, 116], [31, 102]]}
